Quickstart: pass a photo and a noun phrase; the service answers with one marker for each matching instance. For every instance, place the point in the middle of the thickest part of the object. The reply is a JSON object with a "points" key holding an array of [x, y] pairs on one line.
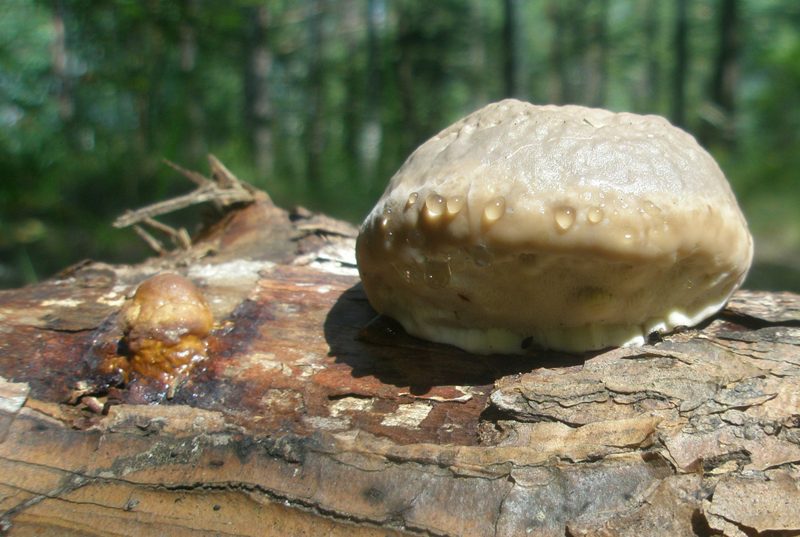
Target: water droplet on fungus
{"points": [[434, 204], [454, 205], [565, 217], [409, 274], [495, 209], [594, 215]]}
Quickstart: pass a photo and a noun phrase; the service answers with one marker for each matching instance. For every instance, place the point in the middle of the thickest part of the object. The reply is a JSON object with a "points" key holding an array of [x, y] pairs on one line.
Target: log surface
{"points": [[312, 418]]}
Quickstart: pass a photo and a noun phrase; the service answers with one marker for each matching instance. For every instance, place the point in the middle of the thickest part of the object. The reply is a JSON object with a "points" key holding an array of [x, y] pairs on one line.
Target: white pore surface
{"points": [[562, 227]]}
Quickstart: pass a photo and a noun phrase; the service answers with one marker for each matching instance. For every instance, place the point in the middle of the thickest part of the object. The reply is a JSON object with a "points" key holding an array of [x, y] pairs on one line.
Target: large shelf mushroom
{"points": [[567, 227]]}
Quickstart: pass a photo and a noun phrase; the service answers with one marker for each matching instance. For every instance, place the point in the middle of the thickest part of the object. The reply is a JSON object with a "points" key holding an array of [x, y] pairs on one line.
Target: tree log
{"points": [[311, 418]]}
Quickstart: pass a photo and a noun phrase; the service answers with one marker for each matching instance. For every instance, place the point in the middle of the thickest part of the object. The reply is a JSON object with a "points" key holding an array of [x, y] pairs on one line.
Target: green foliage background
{"points": [[319, 101]]}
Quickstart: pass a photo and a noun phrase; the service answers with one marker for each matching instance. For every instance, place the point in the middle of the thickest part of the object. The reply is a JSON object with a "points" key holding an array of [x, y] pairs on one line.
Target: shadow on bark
{"points": [[378, 346]]}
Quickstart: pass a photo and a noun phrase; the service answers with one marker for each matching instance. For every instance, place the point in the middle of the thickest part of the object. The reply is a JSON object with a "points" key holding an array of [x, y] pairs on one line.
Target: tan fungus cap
{"points": [[567, 227]]}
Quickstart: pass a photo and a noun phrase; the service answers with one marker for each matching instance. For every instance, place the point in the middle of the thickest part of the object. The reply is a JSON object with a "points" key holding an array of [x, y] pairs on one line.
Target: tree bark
{"points": [[308, 418]]}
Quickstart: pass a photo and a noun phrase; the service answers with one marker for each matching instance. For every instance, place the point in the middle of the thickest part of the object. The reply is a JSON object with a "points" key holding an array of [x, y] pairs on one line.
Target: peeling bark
{"points": [[308, 419]]}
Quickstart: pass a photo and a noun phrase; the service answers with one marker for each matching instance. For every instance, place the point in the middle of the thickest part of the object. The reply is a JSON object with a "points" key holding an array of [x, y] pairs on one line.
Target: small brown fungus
{"points": [[572, 228], [165, 329]]}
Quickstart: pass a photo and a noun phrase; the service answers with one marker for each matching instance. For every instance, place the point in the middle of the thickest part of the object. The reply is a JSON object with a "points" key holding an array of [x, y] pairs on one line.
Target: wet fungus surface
{"points": [[165, 329], [560, 227]]}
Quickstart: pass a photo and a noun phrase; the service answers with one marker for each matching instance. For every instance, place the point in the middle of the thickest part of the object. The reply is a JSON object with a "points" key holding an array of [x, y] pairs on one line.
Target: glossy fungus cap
{"points": [[167, 306], [554, 226]]}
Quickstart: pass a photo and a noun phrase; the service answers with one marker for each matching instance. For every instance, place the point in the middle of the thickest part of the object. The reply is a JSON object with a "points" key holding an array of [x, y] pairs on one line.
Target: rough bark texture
{"points": [[309, 419]]}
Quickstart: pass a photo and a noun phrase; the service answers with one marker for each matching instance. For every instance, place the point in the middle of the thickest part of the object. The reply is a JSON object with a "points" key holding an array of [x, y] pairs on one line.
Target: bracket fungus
{"points": [[564, 227], [165, 325]]}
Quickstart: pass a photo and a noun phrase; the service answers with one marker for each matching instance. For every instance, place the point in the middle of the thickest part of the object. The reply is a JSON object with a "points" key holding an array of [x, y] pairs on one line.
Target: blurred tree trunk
{"points": [[649, 96], [145, 79], [315, 128], [597, 56], [725, 77], [430, 50], [509, 49], [407, 40], [681, 53], [150, 39], [352, 106], [371, 132], [63, 87], [193, 98], [482, 90], [559, 80], [258, 105]]}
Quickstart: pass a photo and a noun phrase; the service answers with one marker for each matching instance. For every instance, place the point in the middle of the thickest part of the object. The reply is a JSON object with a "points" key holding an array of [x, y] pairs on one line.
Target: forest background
{"points": [[318, 102]]}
